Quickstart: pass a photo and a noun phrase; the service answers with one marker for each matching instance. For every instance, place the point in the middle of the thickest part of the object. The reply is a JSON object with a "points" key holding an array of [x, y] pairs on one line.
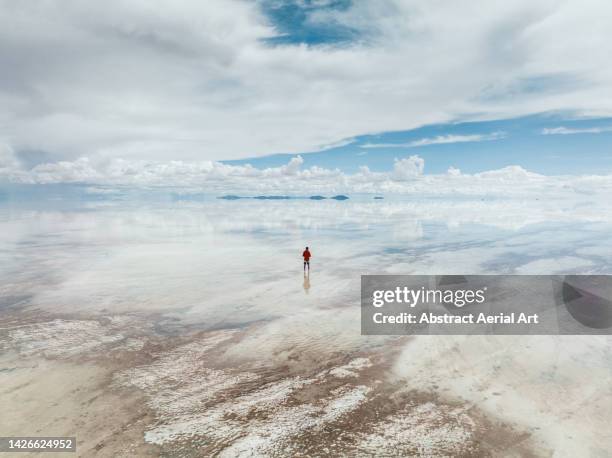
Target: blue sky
{"points": [[293, 21], [125, 89], [547, 144]]}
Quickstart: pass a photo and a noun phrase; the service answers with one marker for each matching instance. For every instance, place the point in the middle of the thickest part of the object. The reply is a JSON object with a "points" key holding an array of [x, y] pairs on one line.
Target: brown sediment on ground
{"points": [[125, 390], [41, 398], [56, 373]]}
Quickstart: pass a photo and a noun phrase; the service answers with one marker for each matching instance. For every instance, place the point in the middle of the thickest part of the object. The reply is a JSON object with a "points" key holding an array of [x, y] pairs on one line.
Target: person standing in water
{"points": [[306, 254]]}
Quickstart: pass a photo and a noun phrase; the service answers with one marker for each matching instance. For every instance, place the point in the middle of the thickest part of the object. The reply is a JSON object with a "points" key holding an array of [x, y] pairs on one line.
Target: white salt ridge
{"points": [[350, 369], [189, 425], [213, 421], [228, 423], [273, 434], [428, 429], [263, 437], [178, 382], [180, 388], [62, 338], [178, 364], [195, 393], [268, 397], [347, 400]]}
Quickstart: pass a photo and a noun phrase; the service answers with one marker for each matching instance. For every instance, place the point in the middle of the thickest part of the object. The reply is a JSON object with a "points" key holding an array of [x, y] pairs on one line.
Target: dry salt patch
{"points": [[224, 421], [274, 434], [346, 400], [191, 401], [351, 369], [178, 382], [254, 423], [62, 338], [426, 430]]}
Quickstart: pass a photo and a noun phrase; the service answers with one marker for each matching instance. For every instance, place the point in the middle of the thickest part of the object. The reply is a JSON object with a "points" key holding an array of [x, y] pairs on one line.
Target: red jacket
{"points": [[306, 255]]}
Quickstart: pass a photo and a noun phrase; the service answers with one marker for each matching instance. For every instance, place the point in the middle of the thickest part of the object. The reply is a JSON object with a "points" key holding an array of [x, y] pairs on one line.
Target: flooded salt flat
{"points": [[201, 310]]}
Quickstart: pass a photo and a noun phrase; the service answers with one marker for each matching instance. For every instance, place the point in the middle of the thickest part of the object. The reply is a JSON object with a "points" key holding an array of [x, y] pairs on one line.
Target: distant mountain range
{"points": [[234, 197]]}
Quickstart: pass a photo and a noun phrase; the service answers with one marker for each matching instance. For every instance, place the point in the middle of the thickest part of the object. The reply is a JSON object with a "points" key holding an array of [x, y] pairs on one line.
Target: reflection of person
{"points": [[306, 282], [306, 254]]}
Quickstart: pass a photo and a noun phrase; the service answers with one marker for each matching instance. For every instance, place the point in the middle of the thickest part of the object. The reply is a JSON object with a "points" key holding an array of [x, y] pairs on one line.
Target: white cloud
{"points": [[569, 131], [407, 177], [338, 144], [440, 139], [408, 168], [79, 171], [190, 80], [293, 167], [453, 171]]}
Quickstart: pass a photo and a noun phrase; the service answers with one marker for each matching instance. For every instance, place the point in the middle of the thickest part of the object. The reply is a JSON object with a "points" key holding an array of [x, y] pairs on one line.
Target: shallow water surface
{"points": [[206, 299]]}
